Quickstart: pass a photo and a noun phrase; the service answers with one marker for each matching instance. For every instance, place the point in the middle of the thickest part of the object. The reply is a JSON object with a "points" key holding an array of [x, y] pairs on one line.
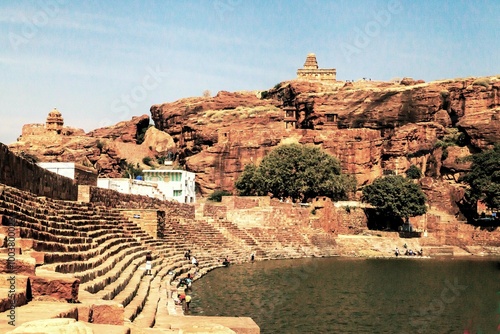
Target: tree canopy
{"points": [[413, 172], [484, 178], [395, 196], [298, 172]]}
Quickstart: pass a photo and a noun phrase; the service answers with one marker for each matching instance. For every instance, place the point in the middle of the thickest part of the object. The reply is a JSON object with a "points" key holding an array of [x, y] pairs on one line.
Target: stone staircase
{"points": [[99, 253]]}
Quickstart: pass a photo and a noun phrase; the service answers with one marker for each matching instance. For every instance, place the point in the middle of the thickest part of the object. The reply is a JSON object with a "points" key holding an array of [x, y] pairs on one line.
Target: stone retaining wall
{"points": [[114, 199], [18, 172], [214, 211]]}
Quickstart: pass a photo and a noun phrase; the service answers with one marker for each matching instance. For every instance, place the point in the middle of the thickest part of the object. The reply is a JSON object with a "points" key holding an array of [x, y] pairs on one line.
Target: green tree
{"points": [[413, 172], [129, 170], [296, 171], [216, 196], [484, 178], [395, 196], [247, 183]]}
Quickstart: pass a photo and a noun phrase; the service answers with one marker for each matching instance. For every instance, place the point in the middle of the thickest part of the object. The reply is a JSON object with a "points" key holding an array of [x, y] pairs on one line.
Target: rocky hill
{"points": [[107, 149], [374, 128]]}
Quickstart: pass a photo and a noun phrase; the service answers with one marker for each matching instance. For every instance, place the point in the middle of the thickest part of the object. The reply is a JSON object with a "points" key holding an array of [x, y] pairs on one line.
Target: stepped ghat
{"points": [[78, 252], [82, 257]]}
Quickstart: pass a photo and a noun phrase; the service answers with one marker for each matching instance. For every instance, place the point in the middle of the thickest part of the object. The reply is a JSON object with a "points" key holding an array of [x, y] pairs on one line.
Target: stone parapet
{"points": [[20, 173], [324, 74]]}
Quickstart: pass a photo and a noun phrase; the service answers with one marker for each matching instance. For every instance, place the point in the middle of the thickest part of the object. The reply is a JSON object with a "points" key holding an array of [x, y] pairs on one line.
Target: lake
{"points": [[353, 295]]}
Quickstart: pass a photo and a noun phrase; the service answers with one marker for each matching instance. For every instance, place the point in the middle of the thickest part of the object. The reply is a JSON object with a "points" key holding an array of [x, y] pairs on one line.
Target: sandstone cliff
{"points": [[372, 127]]}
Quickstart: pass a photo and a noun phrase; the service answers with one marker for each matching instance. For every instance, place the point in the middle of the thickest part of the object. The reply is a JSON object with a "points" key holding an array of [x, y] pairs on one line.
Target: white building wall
{"points": [[62, 168], [133, 187], [178, 185]]}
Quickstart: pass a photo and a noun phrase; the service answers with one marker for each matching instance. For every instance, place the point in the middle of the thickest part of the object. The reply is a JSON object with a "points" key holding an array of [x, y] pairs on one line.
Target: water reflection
{"points": [[344, 295]]}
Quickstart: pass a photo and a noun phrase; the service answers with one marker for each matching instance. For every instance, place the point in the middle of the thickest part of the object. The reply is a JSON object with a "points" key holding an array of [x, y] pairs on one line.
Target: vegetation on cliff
{"points": [[395, 197], [413, 172], [298, 172], [484, 178]]}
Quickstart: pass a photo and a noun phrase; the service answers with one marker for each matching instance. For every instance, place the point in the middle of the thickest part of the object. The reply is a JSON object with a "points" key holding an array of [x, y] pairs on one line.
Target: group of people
{"points": [[184, 284], [182, 297], [409, 252]]}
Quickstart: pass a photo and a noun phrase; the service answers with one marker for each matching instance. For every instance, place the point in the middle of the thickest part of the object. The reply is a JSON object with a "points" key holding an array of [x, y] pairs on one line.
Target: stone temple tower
{"points": [[55, 121], [310, 71]]}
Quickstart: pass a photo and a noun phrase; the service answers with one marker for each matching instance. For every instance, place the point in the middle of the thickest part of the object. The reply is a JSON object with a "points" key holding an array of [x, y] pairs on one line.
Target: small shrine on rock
{"points": [[310, 71], [54, 121]]}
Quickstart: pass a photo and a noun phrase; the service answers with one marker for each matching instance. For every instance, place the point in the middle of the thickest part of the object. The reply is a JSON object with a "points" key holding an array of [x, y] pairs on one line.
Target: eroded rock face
{"points": [[372, 127], [98, 148]]}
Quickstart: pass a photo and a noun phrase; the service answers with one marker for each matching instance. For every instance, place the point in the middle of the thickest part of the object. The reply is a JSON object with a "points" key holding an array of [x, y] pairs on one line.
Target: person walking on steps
{"points": [[149, 259]]}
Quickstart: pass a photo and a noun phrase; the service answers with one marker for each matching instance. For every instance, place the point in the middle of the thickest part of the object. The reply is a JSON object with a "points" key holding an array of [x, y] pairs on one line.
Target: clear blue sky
{"points": [[101, 62]]}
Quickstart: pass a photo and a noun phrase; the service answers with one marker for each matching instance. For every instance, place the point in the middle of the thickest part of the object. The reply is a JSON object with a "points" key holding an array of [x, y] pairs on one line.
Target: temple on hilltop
{"points": [[53, 128], [54, 121], [310, 71]]}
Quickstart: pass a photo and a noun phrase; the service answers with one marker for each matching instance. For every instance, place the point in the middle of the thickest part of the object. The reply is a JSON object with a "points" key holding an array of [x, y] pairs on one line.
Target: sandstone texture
{"points": [[372, 127], [53, 326], [102, 149]]}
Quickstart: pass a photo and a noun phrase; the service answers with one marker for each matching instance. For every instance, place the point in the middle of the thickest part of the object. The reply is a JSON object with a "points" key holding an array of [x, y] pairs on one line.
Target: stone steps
{"points": [[123, 276], [50, 246], [95, 261], [96, 278], [143, 309], [88, 255], [38, 310]]}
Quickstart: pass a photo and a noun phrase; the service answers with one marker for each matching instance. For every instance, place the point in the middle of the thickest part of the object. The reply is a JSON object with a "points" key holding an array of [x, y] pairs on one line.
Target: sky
{"points": [[102, 62]]}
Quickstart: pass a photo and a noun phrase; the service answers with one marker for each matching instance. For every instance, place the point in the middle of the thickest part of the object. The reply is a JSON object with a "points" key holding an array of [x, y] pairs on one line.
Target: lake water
{"points": [[349, 295]]}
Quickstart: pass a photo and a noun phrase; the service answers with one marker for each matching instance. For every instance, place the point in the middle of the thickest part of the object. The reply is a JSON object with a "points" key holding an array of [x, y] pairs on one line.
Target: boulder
{"points": [[55, 288], [53, 326]]}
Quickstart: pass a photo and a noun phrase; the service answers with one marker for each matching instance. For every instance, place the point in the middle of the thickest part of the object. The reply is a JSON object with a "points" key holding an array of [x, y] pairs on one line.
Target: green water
{"points": [[343, 295]]}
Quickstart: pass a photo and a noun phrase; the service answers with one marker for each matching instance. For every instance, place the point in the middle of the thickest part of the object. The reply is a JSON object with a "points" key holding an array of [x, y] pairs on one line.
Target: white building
{"points": [[62, 168], [178, 185], [80, 174], [164, 184], [133, 187]]}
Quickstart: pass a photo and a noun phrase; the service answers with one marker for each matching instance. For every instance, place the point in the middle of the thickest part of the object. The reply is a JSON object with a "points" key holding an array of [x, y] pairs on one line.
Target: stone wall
{"points": [[85, 176], [18, 172], [459, 234], [147, 219], [341, 220], [215, 211], [263, 211], [114, 199]]}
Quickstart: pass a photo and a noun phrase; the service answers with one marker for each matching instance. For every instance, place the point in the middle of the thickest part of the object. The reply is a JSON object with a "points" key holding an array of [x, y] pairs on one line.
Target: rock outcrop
{"points": [[374, 128], [103, 149]]}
